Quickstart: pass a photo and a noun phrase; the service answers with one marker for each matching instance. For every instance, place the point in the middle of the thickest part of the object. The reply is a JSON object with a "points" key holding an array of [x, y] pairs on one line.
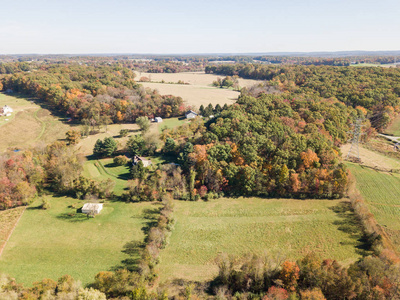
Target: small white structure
{"points": [[137, 159], [92, 208], [6, 111], [190, 114], [158, 120]]}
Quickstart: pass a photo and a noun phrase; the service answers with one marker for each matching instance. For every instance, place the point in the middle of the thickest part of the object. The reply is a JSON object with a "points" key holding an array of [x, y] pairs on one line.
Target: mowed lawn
{"points": [[281, 227], [102, 169], [58, 241], [382, 193]]}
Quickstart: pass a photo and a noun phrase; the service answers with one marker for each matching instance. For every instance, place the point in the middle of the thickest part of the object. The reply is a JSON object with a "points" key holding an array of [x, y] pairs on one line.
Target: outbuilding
{"points": [[136, 159], [92, 208], [190, 114], [158, 119]]}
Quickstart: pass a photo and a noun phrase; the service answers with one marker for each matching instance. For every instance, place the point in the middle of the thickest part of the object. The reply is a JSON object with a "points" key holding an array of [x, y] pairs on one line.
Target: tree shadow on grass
{"points": [[134, 249], [350, 224], [73, 217]]}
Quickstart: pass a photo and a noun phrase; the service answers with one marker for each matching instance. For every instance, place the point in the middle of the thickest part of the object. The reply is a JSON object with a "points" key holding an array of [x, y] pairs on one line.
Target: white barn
{"points": [[158, 119], [190, 114], [92, 208]]}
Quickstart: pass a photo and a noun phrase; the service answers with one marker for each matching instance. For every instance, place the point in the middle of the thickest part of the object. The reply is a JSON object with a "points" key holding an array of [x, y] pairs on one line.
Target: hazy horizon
{"points": [[188, 27]]}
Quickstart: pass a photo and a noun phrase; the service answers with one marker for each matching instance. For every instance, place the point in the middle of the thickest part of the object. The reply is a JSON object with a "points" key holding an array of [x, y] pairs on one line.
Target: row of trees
{"points": [[256, 277]]}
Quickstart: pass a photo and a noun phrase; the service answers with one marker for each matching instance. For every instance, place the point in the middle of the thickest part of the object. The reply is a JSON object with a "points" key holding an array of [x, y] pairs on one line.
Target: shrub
{"points": [[123, 132], [120, 160]]}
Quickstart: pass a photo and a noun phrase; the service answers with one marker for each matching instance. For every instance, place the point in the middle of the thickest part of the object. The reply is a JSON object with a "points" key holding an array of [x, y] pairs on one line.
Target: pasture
{"points": [[198, 91], [283, 228], [381, 192], [58, 241], [28, 124]]}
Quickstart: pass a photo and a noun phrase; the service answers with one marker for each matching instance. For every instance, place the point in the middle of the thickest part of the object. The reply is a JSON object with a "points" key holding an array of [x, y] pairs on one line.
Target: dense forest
{"points": [[270, 145], [375, 89]]}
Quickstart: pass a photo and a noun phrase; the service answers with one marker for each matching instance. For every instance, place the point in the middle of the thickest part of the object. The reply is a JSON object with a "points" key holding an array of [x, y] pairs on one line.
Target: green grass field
{"points": [[171, 123], [51, 243], [282, 227], [382, 194]]}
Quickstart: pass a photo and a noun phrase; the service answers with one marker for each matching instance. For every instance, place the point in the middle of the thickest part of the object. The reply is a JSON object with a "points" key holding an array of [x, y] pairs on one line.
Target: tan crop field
{"points": [[198, 91], [28, 124]]}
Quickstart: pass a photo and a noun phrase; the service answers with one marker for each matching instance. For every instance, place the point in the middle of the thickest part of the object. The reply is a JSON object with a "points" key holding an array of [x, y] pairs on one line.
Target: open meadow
{"points": [[58, 241], [381, 191], [198, 91], [283, 228], [29, 124]]}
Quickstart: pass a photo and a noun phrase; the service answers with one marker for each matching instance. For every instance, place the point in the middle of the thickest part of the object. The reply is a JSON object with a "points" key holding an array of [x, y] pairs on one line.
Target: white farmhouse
{"points": [[92, 208], [190, 114], [6, 111]]}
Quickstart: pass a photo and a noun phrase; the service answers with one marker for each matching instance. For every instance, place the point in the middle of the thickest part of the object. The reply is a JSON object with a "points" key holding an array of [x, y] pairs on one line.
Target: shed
{"points": [[146, 162], [92, 208], [190, 114], [158, 119]]}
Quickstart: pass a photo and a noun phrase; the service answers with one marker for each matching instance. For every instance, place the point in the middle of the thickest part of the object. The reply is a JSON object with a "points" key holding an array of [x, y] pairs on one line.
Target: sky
{"points": [[207, 26]]}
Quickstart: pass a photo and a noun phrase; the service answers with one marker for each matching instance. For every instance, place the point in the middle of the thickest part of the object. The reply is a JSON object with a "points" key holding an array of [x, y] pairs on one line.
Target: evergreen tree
{"points": [[109, 146], [98, 147], [201, 109]]}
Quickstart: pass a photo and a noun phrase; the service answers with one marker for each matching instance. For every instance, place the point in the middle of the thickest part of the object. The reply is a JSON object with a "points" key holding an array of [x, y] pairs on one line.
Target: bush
{"points": [[120, 160], [123, 132], [45, 204]]}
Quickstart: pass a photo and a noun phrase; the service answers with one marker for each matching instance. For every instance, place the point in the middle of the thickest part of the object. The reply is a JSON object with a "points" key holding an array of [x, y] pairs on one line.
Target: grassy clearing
{"points": [[28, 124], [59, 241], [282, 227], [171, 123]]}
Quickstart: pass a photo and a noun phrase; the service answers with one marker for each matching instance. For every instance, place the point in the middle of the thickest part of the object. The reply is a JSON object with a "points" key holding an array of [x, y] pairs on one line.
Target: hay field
{"points": [[58, 241], [282, 227], [199, 91], [28, 124]]}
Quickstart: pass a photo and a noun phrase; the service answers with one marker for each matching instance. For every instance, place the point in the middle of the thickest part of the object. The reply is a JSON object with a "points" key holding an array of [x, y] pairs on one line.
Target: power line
{"points": [[356, 134]]}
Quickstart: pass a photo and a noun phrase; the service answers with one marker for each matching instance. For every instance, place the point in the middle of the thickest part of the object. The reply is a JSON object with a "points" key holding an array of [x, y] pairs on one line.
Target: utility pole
{"points": [[356, 134]]}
